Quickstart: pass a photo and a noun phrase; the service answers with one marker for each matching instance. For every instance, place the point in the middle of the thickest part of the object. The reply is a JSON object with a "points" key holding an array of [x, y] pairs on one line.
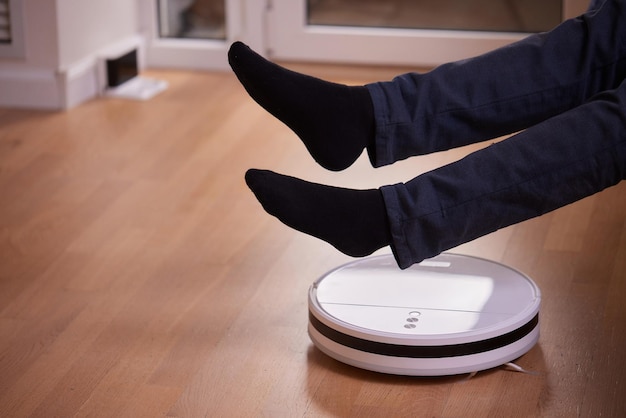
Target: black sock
{"points": [[353, 221], [335, 122]]}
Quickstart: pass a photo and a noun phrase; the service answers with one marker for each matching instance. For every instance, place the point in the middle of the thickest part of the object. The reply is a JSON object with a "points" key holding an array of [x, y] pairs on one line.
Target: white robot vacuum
{"points": [[451, 314]]}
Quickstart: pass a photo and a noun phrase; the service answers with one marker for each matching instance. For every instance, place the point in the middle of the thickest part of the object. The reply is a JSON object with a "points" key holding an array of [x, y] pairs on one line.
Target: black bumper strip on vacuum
{"points": [[423, 351]]}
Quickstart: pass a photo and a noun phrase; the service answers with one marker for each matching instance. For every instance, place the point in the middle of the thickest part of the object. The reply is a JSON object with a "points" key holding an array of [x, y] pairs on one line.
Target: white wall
{"points": [[40, 34], [65, 41], [86, 26]]}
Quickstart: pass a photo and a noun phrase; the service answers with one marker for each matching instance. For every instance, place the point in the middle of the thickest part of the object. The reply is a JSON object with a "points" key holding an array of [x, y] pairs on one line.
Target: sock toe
{"points": [[235, 51]]}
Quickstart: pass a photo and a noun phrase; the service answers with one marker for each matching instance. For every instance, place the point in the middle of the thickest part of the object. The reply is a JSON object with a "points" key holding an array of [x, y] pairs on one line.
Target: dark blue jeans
{"points": [[564, 90]]}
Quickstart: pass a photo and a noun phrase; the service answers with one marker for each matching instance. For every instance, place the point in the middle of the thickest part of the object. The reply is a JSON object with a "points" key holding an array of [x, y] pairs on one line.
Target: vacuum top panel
{"points": [[438, 298]]}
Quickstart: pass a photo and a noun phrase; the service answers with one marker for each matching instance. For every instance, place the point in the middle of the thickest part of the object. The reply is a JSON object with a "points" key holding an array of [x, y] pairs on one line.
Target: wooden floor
{"points": [[140, 278]]}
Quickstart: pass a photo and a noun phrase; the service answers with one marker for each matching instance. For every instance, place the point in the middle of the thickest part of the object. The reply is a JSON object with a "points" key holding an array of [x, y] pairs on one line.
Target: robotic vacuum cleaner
{"points": [[448, 315]]}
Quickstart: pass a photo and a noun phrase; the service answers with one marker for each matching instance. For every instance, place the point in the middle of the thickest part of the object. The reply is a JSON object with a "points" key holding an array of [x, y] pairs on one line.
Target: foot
{"points": [[335, 122], [353, 221]]}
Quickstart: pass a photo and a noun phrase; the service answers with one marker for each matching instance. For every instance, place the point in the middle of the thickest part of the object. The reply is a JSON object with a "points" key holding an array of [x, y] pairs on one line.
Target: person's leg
{"points": [[559, 161], [503, 91], [459, 103]]}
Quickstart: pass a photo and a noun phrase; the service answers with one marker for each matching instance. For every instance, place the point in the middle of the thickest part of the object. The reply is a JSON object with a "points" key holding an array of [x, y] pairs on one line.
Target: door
{"points": [[407, 32], [195, 34]]}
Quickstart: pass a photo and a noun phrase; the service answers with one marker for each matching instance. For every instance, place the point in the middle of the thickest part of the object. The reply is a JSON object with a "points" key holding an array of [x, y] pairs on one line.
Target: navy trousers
{"points": [[563, 91]]}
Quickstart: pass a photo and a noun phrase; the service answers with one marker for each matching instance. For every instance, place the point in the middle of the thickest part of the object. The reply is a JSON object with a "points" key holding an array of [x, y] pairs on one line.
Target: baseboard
{"points": [[79, 83], [30, 88], [48, 89]]}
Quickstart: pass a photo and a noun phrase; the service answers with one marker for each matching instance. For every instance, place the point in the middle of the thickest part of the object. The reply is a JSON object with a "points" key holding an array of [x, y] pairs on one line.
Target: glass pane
{"points": [[483, 15], [192, 19]]}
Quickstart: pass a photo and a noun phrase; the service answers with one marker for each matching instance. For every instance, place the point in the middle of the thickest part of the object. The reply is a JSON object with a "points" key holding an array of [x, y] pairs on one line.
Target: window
{"points": [[478, 15], [199, 19], [404, 32], [196, 33]]}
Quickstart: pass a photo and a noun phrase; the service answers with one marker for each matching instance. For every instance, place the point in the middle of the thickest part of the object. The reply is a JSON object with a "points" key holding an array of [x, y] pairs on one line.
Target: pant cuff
{"points": [[399, 246]]}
